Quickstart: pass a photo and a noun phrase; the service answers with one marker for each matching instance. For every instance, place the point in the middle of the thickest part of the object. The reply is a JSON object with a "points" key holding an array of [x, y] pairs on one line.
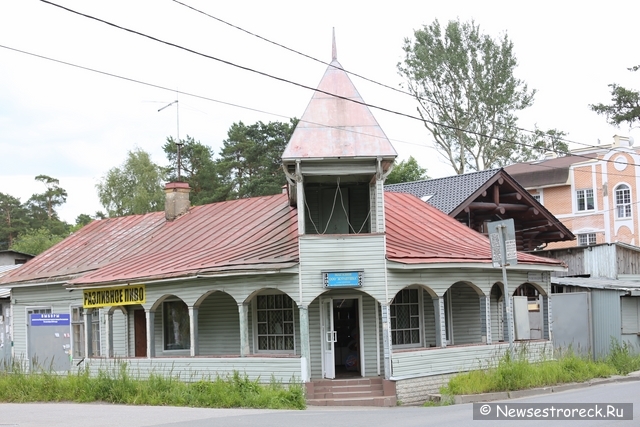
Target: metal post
{"points": [[507, 296]]}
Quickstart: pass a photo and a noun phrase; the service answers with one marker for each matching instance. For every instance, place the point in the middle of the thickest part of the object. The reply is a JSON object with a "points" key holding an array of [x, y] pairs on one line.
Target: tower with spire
{"points": [[336, 162], [337, 159]]}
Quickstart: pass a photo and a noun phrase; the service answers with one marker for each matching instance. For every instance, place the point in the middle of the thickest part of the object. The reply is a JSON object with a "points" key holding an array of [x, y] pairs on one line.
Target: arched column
{"points": [[88, 333], [386, 339], [243, 314], [485, 319], [108, 324], [441, 333], [151, 341], [193, 330], [305, 348]]}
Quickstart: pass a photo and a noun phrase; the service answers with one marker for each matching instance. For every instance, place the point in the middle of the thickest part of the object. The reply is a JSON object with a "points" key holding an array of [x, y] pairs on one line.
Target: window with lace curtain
{"points": [[405, 319], [274, 323]]}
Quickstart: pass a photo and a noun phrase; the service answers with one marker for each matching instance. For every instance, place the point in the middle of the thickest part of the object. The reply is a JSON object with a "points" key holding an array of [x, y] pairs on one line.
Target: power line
{"points": [[277, 115], [205, 98], [346, 71], [421, 119]]}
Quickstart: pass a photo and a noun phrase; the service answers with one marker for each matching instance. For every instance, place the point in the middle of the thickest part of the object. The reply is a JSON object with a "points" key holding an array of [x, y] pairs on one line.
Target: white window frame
{"points": [[163, 306], [77, 347], [420, 316], [78, 351], [257, 335], [625, 205], [583, 194], [587, 239]]}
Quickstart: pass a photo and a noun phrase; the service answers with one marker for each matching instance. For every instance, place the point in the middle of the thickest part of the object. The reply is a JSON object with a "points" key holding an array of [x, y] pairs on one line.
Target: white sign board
{"points": [[502, 236]]}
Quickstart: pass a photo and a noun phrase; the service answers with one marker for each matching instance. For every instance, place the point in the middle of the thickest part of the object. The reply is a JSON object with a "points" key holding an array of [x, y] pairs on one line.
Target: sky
{"points": [[74, 124]]}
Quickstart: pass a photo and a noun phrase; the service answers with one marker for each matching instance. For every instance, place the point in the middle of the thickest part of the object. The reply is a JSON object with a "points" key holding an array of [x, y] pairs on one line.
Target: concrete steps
{"points": [[351, 392]]}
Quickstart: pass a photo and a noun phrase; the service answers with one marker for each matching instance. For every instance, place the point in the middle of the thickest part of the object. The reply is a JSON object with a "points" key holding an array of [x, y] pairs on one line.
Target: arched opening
{"points": [[498, 314], [273, 322], [528, 312], [412, 316], [218, 324], [463, 320]]}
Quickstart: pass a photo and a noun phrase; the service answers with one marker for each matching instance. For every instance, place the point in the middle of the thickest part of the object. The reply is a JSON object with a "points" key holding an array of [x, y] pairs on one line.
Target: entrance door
{"points": [[329, 338], [140, 333]]}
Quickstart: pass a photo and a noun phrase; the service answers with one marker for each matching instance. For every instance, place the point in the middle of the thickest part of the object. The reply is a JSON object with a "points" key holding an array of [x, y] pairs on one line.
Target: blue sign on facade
{"points": [[50, 319], [342, 279]]}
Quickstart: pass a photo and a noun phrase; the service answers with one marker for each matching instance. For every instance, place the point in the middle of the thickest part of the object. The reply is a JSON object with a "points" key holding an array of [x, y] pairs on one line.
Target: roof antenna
{"points": [[178, 142], [334, 51]]}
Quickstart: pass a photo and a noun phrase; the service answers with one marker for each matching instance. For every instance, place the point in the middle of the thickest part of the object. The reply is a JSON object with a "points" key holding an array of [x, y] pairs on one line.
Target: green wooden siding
{"points": [[219, 325], [465, 313], [429, 320], [262, 369], [436, 361]]}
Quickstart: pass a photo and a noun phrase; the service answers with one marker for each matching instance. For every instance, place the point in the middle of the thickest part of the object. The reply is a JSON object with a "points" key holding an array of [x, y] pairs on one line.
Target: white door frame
{"points": [[324, 336], [328, 338]]}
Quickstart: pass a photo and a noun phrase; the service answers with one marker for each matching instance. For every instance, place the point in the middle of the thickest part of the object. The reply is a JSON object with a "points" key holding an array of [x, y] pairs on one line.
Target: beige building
{"points": [[594, 191]]}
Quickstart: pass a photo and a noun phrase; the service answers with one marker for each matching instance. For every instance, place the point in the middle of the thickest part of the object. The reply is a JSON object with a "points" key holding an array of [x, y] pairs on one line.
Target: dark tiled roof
{"points": [[446, 194]]}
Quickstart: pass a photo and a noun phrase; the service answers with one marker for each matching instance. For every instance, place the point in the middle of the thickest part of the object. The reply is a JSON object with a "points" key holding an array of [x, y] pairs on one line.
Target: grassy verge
{"points": [[236, 391], [517, 373]]}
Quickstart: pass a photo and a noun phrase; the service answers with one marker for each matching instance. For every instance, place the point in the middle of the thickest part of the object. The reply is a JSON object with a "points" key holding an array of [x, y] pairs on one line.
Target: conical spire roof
{"points": [[334, 126]]}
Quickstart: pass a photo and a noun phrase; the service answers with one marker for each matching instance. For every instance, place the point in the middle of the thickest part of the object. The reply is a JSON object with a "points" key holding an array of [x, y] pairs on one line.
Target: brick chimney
{"points": [[176, 199]]}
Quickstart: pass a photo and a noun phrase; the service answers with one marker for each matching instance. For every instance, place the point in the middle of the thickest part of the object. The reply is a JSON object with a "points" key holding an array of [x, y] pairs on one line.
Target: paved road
{"points": [[102, 415]]}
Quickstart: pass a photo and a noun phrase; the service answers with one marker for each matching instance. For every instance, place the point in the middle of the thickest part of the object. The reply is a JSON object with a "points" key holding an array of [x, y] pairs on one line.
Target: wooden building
{"points": [[335, 279]]}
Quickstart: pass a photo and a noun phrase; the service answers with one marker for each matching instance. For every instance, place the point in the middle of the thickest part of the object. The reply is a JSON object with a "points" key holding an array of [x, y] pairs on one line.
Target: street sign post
{"points": [[502, 236]]}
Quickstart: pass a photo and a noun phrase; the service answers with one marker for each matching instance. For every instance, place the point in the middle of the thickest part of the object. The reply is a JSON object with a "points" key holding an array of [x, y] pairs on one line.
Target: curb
{"points": [[505, 395]]}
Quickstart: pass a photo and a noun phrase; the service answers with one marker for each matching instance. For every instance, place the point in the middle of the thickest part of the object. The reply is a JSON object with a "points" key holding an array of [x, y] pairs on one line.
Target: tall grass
{"points": [[235, 391], [518, 373]]}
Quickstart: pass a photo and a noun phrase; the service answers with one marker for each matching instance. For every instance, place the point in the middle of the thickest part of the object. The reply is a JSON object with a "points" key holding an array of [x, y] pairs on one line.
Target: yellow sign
{"points": [[125, 295]]}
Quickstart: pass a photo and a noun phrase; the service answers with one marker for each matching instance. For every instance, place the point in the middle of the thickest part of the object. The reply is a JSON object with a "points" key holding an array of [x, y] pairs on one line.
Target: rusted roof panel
{"points": [[95, 245], [240, 235], [244, 232], [337, 126], [256, 233], [419, 233]]}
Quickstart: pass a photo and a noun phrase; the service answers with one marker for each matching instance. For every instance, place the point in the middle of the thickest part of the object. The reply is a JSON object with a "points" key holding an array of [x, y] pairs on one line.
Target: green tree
{"points": [[42, 207], [250, 160], [134, 188], [35, 241], [83, 219], [467, 93], [53, 196], [541, 142], [624, 107], [13, 219], [407, 171], [197, 168]]}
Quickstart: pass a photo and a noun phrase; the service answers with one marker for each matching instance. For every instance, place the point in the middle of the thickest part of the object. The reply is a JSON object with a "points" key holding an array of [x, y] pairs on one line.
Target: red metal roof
{"points": [[95, 245], [251, 233], [241, 235], [419, 233]]}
